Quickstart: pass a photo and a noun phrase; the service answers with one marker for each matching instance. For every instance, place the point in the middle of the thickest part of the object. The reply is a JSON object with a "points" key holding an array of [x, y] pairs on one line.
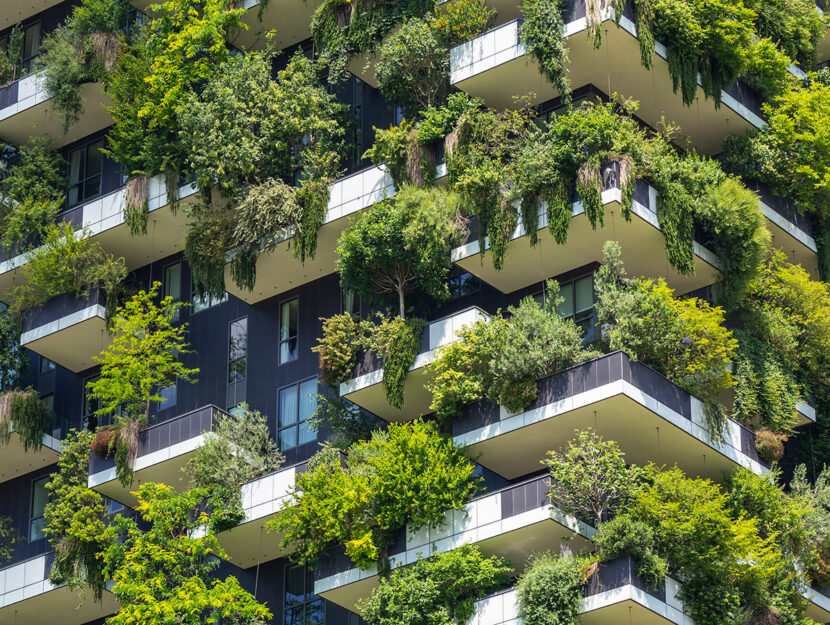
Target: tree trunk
{"points": [[400, 302]]}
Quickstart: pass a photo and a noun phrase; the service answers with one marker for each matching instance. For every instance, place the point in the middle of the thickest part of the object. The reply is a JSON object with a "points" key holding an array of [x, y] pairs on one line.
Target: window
{"points": [[168, 395], [84, 172], [46, 365], [91, 406], [173, 284], [578, 303], [198, 304], [462, 283], [237, 361], [31, 47], [296, 405], [351, 302], [302, 606], [289, 317], [39, 498]]}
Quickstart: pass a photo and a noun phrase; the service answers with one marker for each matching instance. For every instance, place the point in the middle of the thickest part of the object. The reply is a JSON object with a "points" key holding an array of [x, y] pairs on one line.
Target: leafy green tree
{"points": [[401, 245], [550, 589], [439, 590], [410, 474], [37, 172], [816, 496], [163, 574], [8, 539], [684, 339], [590, 478], [76, 520], [143, 358], [13, 359], [239, 449]]}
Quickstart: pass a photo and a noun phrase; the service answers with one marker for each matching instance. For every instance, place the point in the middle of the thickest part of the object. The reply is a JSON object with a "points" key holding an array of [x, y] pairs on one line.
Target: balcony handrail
{"points": [[187, 414]]}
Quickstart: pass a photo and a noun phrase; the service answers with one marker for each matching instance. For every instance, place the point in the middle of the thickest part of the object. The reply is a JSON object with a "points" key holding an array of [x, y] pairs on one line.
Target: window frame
{"points": [[24, 60], [308, 597], [296, 425], [83, 178], [32, 518], [236, 384], [296, 337]]}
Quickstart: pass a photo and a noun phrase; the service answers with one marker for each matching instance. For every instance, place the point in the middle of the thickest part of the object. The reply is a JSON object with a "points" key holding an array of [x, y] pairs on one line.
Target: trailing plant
{"points": [[9, 537], [347, 422], [10, 56], [501, 359], [145, 356], [550, 589], [794, 26], [208, 238], [68, 262], [684, 339], [590, 479], [164, 566], [401, 246], [76, 520], [23, 412], [542, 34], [438, 590], [239, 449], [342, 30], [396, 341], [14, 361], [408, 476]]}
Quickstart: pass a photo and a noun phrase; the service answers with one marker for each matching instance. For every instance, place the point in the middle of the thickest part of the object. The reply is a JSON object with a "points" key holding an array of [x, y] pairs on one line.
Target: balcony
{"points": [[16, 461], [14, 11], [278, 271], [68, 330], [25, 111], [494, 66], [290, 21], [163, 451], [103, 217], [366, 388], [651, 418], [614, 594], [28, 598], [250, 543], [818, 607], [791, 231], [513, 522], [642, 243]]}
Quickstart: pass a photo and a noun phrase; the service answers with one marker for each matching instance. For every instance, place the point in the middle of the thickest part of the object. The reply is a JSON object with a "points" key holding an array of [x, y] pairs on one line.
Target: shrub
{"points": [[816, 495], [239, 449], [550, 590], [8, 539], [105, 441], [502, 359], [439, 590], [408, 475], [684, 339], [458, 22], [29, 222], [590, 479], [624, 535], [338, 347], [36, 174]]}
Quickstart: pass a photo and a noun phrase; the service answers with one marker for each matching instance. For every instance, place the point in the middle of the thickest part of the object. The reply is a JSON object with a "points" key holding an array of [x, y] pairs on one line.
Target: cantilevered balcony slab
{"points": [[104, 219], [791, 231], [366, 388], [651, 418], [250, 543], [68, 330], [818, 607], [288, 19], [14, 11], [514, 522], [16, 461], [495, 67], [279, 270], [28, 598], [641, 240], [614, 594], [27, 111], [163, 451]]}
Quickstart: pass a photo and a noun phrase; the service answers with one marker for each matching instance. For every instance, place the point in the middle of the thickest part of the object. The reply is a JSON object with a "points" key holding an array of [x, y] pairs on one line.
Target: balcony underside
{"points": [[165, 466], [250, 543], [616, 68], [288, 19], [60, 605], [74, 342], [643, 435], [367, 392], [14, 11], [15, 460], [42, 120], [800, 250], [818, 607], [643, 252], [279, 271], [621, 609], [516, 546]]}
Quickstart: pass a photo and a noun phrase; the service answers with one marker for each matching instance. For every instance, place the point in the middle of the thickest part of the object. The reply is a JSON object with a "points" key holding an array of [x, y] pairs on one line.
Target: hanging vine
{"points": [[24, 413]]}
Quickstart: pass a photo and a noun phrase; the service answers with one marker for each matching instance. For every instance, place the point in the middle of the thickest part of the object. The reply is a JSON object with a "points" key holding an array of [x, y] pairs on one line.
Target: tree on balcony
{"points": [[143, 359]]}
